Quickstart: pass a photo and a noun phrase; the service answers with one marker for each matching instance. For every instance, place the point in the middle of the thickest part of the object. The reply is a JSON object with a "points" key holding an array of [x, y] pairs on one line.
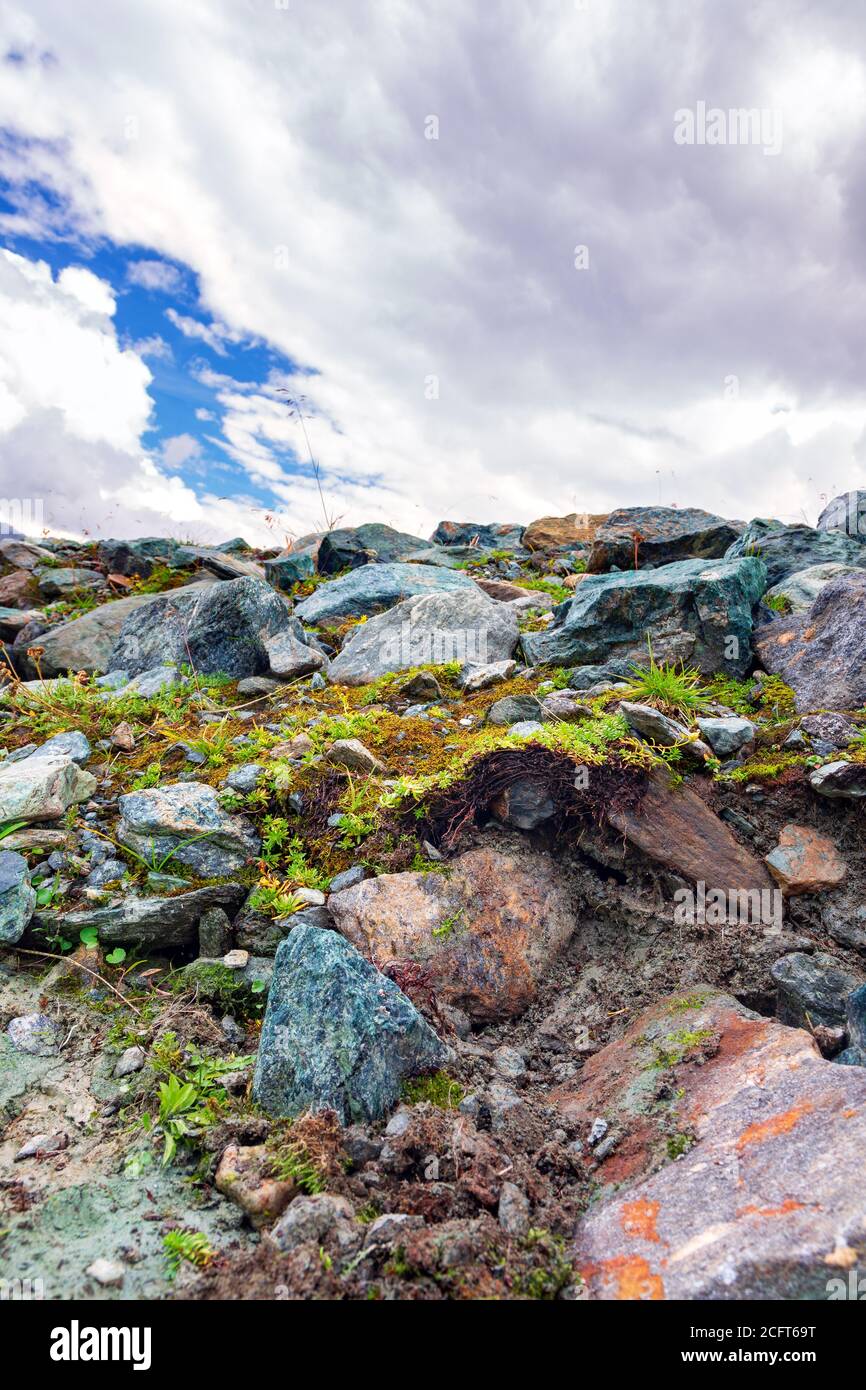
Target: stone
{"points": [[186, 820], [337, 1034], [24, 555], [805, 862], [513, 709], [147, 684], [509, 1063], [787, 550], [585, 677], [290, 656], [372, 588], [561, 706], [348, 878], [42, 787], [213, 980], [487, 933], [676, 828], [214, 932], [19, 590], [222, 628], [287, 570], [245, 778], [524, 804], [391, 1229], [840, 779], [695, 611], [651, 724], [665, 535], [17, 897], [513, 1211], [245, 1176], [42, 1146], [350, 547], [108, 1273], [351, 753], [130, 1061], [123, 737], [431, 629], [552, 533], [35, 1034], [834, 729], [313, 1220], [59, 582], [495, 535], [474, 678], [764, 1202], [812, 989], [72, 744], [158, 923], [727, 735], [819, 653], [801, 588], [257, 685], [423, 687], [847, 513]]}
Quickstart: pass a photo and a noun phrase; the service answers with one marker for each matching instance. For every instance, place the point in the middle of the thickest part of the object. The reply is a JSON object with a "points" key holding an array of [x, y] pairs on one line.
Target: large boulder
{"points": [[60, 581], [42, 787], [494, 535], [221, 629], [154, 923], [372, 588], [184, 823], [766, 1203], [337, 1034], [552, 533], [431, 629], [787, 549], [821, 653], [696, 611], [19, 590], [349, 547], [661, 536], [799, 590], [86, 643], [845, 513], [487, 931], [284, 571]]}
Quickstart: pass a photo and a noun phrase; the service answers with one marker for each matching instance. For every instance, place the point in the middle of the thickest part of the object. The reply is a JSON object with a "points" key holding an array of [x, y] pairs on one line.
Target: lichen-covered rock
{"points": [[494, 535], [787, 549], [372, 588], [42, 787], [696, 611], [659, 536], [431, 629], [218, 628], [349, 547], [337, 1034], [821, 653], [155, 923], [17, 897], [186, 821], [799, 590]]}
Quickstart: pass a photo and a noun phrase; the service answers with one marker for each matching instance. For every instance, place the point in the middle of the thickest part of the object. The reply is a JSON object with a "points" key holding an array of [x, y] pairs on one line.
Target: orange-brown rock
{"points": [[559, 532], [486, 932], [19, 590], [805, 862], [246, 1177]]}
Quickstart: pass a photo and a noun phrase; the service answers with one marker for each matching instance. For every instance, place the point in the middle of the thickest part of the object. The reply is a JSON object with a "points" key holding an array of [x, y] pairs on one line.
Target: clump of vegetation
{"points": [[548, 1279], [677, 690], [780, 603], [187, 1246], [440, 1089], [191, 1097], [675, 1047]]}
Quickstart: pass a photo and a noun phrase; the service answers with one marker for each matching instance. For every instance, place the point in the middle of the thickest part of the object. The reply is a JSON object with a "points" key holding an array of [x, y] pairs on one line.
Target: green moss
{"points": [[440, 1089], [674, 1047]]}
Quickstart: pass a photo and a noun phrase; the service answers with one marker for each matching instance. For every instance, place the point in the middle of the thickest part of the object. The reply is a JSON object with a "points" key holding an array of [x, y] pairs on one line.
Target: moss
{"points": [[675, 1047], [440, 1090]]}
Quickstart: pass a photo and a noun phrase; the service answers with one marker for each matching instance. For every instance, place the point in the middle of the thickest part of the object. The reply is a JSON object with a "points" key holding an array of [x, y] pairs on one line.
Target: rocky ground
{"points": [[391, 918]]}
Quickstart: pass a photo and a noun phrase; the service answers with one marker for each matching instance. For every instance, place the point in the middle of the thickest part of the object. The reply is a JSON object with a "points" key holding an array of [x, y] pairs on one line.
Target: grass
{"points": [[676, 690], [187, 1246]]}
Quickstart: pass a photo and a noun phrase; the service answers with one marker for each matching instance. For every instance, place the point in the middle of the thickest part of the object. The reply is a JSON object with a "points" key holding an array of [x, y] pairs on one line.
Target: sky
{"points": [[268, 265]]}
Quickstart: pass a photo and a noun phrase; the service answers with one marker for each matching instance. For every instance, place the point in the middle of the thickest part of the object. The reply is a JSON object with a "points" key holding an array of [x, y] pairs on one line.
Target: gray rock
{"points": [[214, 932], [785, 550], [585, 677], [245, 778], [524, 805], [513, 709], [524, 728], [42, 787], [59, 582], [109, 871], [812, 989], [261, 935], [337, 1034], [153, 682], [108, 1273], [159, 923], [475, 678], [257, 685], [72, 744], [423, 686], [391, 1229], [833, 729], [290, 657], [312, 1219], [35, 1034], [285, 571], [186, 820], [513, 1211], [372, 588], [695, 611], [727, 735], [509, 1063], [819, 653], [43, 1146], [803, 587], [351, 753], [494, 535], [651, 724], [222, 628], [130, 1061], [847, 513], [667, 534], [349, 547], [348, 878], [840, 779], [17, 898]]}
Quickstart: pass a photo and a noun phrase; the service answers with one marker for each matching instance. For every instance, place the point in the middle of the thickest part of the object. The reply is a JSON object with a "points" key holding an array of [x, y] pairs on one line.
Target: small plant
{"points": [[290, 1161], [440, 1089], [275, 896], [780, 603], [676, 690], [190, 1246]]}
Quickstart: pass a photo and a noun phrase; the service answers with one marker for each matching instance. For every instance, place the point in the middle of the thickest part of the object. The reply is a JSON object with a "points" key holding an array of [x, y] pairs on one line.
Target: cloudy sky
{"points": [[480, 240]]}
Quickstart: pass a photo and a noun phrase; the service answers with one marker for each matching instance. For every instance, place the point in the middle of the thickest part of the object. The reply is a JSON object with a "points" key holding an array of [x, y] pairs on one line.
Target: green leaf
{"points": [[117, 956], [89, 937]]}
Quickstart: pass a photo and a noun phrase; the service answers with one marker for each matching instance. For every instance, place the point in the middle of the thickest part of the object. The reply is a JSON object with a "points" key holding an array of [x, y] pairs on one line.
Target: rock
{"points": [[42, 1146], [257, 685], [496, 535], [487, 933], [23, 554], [765, 1204], [391, 1229], [666, 534], [422, 687], [285, 571], [786, 550], [19, 590], [475, 678], [432, 629], [812, 989], [214, 933], [834, 729], [513, 709], [552, 533], [42, 787], [585, 677], [295, 748], [505, 592], [651, 724], [675, 827], [819, 653], [246, 778], [805, 862], [372, 588], [314, 1219], [245, 1175], [72, 744], [337, 1034], [123, 737], [350, 547], [153, 682], [728, 735], [845, 513], [58, 582], [186, 820], [513, 1211], [509, 1063], [223, 628], [855, 1009], [108, 1273], [524, 804], [130, 1061], [36, 1034], [348, 878], [262, 935], [86, 643], [561, 706], [289, 654], [840, 779], [160, 923], [695, 611], [803, 587], [220, 983], [351, 753], [17, 898]]}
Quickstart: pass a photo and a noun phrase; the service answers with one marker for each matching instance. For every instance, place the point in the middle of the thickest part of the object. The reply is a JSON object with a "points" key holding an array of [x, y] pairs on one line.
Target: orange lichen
{"points": [[772, 1128]]}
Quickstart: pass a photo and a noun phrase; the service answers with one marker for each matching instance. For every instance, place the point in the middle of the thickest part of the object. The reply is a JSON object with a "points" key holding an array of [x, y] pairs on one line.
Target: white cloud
{"points": [[179, 449], [215, 335], [155, 275]]}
